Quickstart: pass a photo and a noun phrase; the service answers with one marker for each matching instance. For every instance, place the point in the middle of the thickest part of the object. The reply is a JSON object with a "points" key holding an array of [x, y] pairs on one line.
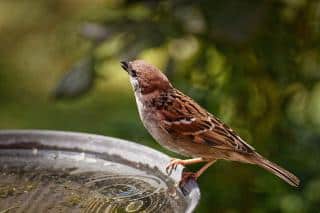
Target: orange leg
{"points": [[204, 168], [201, 170], [186, 176], [175, 162]]}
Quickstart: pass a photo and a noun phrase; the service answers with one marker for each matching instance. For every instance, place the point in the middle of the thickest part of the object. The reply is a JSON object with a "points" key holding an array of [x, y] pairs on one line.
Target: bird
{"points": [[180, 124]]}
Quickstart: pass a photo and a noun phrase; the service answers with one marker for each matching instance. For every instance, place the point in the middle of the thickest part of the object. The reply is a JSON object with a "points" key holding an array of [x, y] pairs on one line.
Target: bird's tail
{"points": [[277, 170]]}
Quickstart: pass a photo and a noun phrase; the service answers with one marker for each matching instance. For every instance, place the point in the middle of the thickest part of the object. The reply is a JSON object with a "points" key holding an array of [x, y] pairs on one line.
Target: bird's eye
{"points": [[133, 73]]}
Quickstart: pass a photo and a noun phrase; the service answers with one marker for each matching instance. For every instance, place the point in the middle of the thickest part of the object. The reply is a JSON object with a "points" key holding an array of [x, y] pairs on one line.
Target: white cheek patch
{"points": [[138, 96], [134, 83]]}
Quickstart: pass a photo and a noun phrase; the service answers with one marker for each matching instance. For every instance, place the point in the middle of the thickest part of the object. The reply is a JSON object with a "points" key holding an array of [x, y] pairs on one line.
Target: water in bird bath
{"points": [[45, 180]]}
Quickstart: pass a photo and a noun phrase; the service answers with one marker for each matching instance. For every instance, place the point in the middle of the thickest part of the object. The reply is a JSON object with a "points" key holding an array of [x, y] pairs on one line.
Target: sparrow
{"points": [[181, 125]]}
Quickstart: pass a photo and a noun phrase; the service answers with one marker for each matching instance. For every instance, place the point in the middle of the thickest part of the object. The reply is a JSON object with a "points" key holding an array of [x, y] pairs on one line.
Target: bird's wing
{"points": [[184, 118]]}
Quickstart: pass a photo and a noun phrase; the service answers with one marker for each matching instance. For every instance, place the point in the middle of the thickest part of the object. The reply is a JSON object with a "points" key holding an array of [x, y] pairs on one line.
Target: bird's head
{"points": [[145, 77]]}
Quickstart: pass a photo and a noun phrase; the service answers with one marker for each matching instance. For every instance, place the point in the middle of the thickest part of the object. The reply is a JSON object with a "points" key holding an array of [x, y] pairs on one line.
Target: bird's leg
{"points": [[190, 175], [204, 168], [175, 162]]}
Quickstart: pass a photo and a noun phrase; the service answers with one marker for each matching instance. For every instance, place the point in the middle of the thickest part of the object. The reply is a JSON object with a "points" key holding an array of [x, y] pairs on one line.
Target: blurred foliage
{"points": [[254, 64]]}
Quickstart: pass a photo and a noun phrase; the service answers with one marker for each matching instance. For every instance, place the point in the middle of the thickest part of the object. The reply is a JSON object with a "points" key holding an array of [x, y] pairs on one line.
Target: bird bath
{"points": [[51, 171]]}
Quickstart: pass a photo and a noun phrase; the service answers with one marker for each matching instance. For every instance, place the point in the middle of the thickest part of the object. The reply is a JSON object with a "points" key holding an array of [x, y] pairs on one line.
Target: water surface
{"points": [[63, 181]]}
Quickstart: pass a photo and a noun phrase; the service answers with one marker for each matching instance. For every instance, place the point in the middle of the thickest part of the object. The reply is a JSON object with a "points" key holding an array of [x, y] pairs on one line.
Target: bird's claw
{"points": [[187, 176], [173, 165]]}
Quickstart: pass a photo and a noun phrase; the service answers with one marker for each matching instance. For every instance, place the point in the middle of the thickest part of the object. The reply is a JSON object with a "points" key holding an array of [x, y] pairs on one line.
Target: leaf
{"points": [[77, 81]]}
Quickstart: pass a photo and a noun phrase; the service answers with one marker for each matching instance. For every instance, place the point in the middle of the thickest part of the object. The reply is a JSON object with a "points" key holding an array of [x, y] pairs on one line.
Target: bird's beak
{"points": [[125, 65]]}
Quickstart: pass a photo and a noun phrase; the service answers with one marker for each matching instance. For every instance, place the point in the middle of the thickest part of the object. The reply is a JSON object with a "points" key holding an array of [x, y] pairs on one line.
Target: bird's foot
{"points": [[173, 165], [186, 177]]}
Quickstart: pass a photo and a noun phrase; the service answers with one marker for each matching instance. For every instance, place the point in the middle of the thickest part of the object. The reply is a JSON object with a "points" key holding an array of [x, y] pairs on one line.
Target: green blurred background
{"points": [[255, 64]]}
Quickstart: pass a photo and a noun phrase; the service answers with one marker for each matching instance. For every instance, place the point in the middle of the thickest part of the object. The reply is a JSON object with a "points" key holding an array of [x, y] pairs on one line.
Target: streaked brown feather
{"points": [[183, 117]]}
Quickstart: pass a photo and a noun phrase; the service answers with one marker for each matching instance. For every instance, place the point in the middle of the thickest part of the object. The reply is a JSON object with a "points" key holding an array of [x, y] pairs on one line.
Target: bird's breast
{"points": [[149, 117]]}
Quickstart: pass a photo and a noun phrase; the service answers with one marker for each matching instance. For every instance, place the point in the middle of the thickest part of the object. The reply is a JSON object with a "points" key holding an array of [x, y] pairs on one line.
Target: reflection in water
{"points": [[127, 193], [70, 182]]}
